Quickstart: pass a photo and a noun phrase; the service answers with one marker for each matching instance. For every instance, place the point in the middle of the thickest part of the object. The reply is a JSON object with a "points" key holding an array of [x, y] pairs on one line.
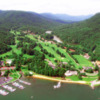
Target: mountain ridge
{"points": [[66, 17], [85, 33], [17, 19]]}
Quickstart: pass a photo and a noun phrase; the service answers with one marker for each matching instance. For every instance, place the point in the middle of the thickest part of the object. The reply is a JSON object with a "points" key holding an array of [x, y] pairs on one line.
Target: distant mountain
{"points": [[66, 17], [0, 11], [86, 33], [54, 18], [18, 19]]}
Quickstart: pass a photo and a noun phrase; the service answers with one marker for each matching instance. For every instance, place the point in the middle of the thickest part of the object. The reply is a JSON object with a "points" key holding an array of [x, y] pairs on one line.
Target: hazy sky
{"points": [[71, 7]]}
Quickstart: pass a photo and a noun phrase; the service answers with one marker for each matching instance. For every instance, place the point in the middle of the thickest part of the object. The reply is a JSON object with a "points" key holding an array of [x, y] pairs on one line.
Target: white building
{"points": [[48, 32], [70, 73]]}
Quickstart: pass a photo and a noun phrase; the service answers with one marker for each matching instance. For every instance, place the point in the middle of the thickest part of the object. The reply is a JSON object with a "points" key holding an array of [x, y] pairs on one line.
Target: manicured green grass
{"points": [[49, 47], [15, 76], [15, 49], [83, 61], [73, 78], [37, 48], [87, 79], [9, 53], [67, 58], [18, 33], [28, 56], [31, 37], [12, 32]]}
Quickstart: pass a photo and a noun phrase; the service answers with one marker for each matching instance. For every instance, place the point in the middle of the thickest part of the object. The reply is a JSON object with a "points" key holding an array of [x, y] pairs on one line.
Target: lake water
{"points": [[43, 90]]}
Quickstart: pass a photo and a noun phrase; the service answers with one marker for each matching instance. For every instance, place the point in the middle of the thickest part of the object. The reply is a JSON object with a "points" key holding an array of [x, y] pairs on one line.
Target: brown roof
{"points": [[72, 50]]}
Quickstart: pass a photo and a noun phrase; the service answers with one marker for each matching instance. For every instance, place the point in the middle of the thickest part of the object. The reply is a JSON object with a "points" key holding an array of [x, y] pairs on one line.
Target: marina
{"points": [[11, 89]]}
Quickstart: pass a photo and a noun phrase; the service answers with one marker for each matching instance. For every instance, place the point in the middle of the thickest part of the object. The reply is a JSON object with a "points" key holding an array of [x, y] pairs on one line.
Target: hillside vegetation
{"points": [[42, 57], [26, 21], [86, 33], [65, 17]]}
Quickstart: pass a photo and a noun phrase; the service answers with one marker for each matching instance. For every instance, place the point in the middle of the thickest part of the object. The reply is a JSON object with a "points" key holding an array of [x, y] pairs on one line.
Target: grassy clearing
{"points": [[27, 56], [49, 47], [37, 48], [15, 76], [73, 78], [87, 79], [67, 57], [9, 53], [83, 61], [31, 37]]}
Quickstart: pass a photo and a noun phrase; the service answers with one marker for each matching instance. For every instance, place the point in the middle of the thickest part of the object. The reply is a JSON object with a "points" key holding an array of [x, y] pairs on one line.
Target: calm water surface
{"points": [[43, 90]]}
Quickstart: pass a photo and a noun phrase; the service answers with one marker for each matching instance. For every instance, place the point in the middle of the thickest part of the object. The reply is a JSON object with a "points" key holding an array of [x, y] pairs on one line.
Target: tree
{"points": [[96, 68], [6, 73], [99, 75], [18, 67], [79, 76], [0, 73]]}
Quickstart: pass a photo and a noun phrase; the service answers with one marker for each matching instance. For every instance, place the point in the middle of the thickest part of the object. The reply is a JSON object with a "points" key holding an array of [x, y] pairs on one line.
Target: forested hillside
{"points": [[20, 20], [25, 20], [86, 33], [6, 39]]}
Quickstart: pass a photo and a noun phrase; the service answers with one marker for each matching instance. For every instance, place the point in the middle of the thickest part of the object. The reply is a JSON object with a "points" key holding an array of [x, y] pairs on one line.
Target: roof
{"points": [[98, 62], [72, 50]]}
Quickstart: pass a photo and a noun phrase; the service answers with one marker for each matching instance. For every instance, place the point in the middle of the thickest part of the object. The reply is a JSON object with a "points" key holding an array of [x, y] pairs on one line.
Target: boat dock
{"points": [[11, 89], [18, 85], [27, 83]]}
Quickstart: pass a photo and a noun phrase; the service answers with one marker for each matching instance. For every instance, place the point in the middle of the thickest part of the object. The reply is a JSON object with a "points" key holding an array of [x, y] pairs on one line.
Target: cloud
{"points": [[72, 7]]}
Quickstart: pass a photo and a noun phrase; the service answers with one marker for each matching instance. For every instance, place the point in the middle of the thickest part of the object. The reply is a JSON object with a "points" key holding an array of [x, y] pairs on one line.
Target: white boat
{"points": [[58, 85]]}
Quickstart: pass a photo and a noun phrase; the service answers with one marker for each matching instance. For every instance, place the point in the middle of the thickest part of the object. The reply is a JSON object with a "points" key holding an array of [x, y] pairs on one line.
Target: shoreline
{"points": [[91, 84], [59, 80], [12, 80]]}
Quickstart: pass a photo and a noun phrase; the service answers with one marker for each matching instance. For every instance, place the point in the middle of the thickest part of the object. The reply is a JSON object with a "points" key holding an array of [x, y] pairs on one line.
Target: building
{"points": [[9, 61], [86, 56], [70, 73], [48, 32], [72, 50], [98, 63]]}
